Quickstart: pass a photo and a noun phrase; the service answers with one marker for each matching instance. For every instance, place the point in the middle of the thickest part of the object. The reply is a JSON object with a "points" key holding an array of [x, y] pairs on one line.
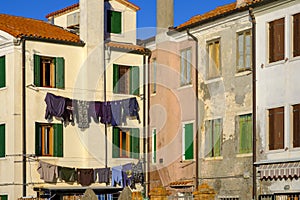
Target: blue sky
{"points": [[183, 9]]}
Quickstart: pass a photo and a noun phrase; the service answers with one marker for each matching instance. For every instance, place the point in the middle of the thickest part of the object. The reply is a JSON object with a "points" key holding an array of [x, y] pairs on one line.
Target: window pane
{"points": [[248, 50], [241, 51], [214, 65], [182, 67], [188, 66]]}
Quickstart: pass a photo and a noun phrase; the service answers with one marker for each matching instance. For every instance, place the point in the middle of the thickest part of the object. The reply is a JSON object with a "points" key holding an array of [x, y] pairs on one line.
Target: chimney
{"points": [[240, 3], [164, 14]]}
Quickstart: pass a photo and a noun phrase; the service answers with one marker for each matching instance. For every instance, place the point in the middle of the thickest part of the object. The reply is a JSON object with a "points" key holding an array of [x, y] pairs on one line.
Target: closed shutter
{"points": [[245, 133], [37, 70], [296, 38], [2, 140], [188, 140], [208, 138], [217, 130], [116, 76], [58, 140], [3, 197], [114, 22], [276, 128], [38, 139], [59, 72], [2, 72], [296, 125], [276, 40], [135, 80], [135, 143], [116, 143]]}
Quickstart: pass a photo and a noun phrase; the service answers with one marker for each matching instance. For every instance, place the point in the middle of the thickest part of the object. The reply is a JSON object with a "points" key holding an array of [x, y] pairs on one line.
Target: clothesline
{"points": [[109, 112]]}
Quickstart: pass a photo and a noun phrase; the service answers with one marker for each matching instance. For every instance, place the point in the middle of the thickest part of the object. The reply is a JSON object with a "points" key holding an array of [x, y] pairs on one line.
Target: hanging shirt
{"points": [[67, 174], [95, 110], [55, 106], [82, 114], [116, 110], [131, 109], [105, 112], [48, 172], [116, 176], [85, 177], [101, 175], [127, 174]]}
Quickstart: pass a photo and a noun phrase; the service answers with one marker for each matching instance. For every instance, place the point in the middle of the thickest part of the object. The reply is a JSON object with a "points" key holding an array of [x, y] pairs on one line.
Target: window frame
{"points": [[211, 61], [186, 67], [296, 42], [274, 143], [243, 68], [241, 136], [54, 146], [210, 139], [273, 34], [2, 140], [2, 71]]}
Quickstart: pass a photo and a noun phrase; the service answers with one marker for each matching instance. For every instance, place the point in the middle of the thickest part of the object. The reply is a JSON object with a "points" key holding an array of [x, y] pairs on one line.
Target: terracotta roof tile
{"points": [[216, 12], [181, 183], [129, 47], [64, 10], [25, 27]]}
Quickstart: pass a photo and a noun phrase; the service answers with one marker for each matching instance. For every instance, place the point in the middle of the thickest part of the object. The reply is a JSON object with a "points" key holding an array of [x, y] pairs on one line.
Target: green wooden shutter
{"points": [[116, 76], [3, 197], [2, 72], [245, 133], [38, 142], [58, 140], [154, 145], [217, 137], [188, 141], [114, 24], [135, 143], [59, 72], [2, 140], [37, 70], [134, 80], [116, 143]]}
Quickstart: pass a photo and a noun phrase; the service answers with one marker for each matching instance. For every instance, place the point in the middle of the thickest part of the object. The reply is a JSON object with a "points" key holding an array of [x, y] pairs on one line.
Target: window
{"points": [[114, 22], [185, 67], [296, 35], [276, 128], [49, 139], [244, 51], [2, 140], [245, 133], [188, 141], [49, 72], [276, 40], [2, 72], [154, 145], [213, 133], [214, 59], [296, 125], [126, 143], [153, 76], [3, 197], [126, 79]]}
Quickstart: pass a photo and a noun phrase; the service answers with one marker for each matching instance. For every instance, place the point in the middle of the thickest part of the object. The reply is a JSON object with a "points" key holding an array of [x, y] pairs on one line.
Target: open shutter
{"points": [[38, 139], [135, 143], [188, 142], [296, 34], [114, 22], [59, 72], [116, 76], [2, 71], [58, 140], [37, 70], [116, 143], [154, 145], [135, 80], [217, 137], [296, 126], [2, 140]]}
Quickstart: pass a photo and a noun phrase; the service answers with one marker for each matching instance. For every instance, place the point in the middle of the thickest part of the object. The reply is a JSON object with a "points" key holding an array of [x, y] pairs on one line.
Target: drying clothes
{"points": [[116, 110], [85, 177], [68, 113], [127, 174], [102, 175], [55, 106], [116, 176], [137, 174], [67, 174], [95, 111], [131, 109], [105, 112], [48, 172], [82, 114]]}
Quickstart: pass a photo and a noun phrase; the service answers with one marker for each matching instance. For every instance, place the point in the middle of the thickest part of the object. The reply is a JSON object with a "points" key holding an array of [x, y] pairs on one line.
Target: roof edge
{"points": [[64, 42], [63, 10]]}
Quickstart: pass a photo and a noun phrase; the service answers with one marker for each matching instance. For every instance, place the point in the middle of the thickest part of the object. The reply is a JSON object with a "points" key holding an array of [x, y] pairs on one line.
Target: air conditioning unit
{"points": [[73, 20]]}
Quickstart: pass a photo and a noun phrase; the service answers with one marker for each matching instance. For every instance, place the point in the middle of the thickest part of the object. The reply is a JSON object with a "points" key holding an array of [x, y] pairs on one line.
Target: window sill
{"points": [[213, 158], [280, 62], [243, 73], [3, 88], [208, 81], [48, 157], [185, 87], [293, 59], [242, 155], [3, 158]]}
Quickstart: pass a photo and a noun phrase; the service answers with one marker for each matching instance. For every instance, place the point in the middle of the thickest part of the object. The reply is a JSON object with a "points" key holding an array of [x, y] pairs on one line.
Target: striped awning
{"points": [[279, 170]]}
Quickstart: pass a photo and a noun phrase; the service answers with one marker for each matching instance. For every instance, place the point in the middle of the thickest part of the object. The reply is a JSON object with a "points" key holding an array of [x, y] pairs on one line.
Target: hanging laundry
{"points": [[82, 114], [116, 176], [131, 109], [95, 110], [68, 113], [101, 175], [85, 177], [48, 172], [127, 174], [67, 174], [137, 174], [55, 106], [116, 109], [105, 113]]}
